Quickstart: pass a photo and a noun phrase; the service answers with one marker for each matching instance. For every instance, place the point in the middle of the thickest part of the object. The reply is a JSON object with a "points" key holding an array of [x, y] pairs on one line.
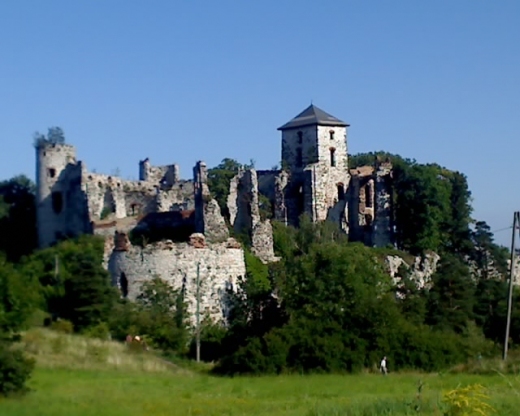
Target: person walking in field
{"points": [[384, 370]]}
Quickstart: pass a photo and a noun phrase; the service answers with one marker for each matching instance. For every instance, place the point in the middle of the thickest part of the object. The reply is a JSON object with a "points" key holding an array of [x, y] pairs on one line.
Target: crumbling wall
{"points": [[106, 196], [162, 175], [280, 188], [220, 266], [382, 230], [178, 197], [243, 206], [208, 218], [361, 204]]}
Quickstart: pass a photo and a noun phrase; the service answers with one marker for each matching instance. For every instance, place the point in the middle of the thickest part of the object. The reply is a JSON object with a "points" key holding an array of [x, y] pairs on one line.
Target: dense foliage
{"points": [[330, 306]]}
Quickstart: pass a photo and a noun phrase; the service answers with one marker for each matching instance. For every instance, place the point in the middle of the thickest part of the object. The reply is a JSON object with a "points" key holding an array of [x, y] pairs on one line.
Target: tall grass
{"points": [[53, 349], [88, 377]]}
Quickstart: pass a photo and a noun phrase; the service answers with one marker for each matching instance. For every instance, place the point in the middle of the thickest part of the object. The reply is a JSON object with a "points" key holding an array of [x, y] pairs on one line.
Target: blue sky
{"points": [[180, 81]]}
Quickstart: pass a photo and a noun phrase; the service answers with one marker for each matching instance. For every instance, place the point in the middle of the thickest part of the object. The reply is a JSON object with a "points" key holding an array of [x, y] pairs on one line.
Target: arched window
{"points": [[332, 157]]}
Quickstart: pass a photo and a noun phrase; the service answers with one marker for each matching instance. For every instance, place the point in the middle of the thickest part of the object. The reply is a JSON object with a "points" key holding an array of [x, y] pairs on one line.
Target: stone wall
{"points": [[382, 231], [370, 205], [163, 175], [244, 212], [221, 265]]}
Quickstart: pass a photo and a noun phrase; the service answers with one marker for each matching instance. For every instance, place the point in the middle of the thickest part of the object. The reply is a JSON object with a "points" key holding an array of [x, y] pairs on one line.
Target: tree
{"points": [[88, 294], [16, 303], [459, 240], [17, 217], [74, 284], [55, 135], [422, 207], [451, 299], [165, 315]]}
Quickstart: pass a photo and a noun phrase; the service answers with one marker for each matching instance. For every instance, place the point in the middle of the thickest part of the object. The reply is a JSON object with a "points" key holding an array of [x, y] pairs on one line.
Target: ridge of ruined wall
{"points": [[122, 198], [244, 212], [221, 266]]}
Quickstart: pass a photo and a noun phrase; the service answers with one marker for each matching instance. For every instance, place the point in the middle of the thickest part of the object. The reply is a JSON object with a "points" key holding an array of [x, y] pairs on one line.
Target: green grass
{"points": [[131, 388]]}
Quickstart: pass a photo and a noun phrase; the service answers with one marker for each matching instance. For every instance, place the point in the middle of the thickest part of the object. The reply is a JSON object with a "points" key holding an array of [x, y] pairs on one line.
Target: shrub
{"points": [[63, 326], [99, 331], [15, 370]]}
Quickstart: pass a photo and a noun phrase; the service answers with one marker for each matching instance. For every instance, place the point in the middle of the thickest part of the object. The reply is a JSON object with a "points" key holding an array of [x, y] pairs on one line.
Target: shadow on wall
{"points": [[64, 212], [176, 226]]}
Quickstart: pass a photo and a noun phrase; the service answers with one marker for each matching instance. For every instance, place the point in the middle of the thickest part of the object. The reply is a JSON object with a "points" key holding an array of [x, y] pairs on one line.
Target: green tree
{"points": [[451, 299], [459, 240], [17, 217], [88, 294], [74, 284], [16, 303], [166, 315], [422, 207]]}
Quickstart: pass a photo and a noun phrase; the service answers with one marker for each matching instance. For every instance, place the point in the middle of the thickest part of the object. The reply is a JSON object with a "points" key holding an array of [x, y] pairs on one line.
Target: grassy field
{"points": [[115, 382]]}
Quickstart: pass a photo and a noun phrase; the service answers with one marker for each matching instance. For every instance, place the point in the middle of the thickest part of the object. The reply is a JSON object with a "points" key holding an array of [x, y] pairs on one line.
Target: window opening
{"points": [[57, 202], [341, 192], [300, 137], [299, 157], [368, 196], [331, 134], [123, 283], [52, 172], [332, 157]]}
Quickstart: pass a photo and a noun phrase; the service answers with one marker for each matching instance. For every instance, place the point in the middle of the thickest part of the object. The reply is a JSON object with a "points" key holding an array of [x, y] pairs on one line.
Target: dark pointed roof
{"points": [[313, 115]]}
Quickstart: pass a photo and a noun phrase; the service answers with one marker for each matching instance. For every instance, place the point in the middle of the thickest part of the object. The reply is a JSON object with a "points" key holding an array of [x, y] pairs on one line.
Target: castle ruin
{"points": [[162, 225]]}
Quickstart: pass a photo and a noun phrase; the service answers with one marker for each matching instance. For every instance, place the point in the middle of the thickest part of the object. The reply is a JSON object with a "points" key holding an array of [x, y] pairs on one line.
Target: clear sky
{"points": [[181, 81]]}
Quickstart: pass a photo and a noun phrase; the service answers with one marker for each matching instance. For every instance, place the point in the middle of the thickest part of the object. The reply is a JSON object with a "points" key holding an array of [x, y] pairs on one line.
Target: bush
{"points": [[15, 370], [99, 331], [63, 326]]}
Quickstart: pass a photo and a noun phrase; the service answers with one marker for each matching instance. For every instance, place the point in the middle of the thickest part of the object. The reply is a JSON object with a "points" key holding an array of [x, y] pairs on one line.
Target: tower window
{"points": [[331, 134], [52, 172], [299, 157], [332, 157], [341, 192], [57, 202], [300, 137]]}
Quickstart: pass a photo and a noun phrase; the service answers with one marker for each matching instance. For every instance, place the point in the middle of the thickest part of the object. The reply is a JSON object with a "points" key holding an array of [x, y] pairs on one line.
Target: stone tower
{"points": [[59, 203], [314, 153], [51, 161]]}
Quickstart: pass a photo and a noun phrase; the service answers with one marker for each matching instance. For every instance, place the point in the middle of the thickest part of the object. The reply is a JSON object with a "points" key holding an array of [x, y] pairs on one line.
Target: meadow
{"points": [[80, 376]]}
